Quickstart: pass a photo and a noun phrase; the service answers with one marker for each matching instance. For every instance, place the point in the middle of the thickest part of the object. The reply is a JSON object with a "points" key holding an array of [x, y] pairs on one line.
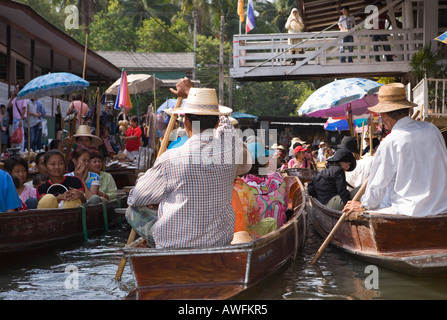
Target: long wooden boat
{"points": [[123, 177], [218, 272], [38, 229], [410, 245]]}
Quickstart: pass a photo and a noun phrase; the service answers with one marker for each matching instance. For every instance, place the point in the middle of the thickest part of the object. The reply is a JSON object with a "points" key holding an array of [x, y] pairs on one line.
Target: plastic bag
{"points": [[17, 136]]}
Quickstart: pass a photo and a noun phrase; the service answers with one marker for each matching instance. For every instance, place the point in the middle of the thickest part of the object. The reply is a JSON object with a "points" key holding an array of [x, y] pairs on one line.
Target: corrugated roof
{"points": [[26, 25], [150, 61]]}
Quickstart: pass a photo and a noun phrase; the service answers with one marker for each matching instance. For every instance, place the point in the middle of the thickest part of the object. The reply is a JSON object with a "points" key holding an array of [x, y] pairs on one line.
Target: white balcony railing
{"points": [[431, 97], [323, 48]]}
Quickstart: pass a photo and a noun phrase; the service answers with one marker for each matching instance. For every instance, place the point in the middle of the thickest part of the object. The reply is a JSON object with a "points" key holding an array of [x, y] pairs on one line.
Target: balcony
{"points": [[430, 95], [266, 57]]}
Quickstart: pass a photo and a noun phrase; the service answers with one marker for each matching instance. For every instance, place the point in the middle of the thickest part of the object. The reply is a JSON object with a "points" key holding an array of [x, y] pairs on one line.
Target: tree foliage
{"points": [[168, 26]]}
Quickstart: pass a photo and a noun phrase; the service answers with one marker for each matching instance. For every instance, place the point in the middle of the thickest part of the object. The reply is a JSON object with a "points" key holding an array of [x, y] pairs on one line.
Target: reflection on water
{"points": [[46, 276], [340, 276]]}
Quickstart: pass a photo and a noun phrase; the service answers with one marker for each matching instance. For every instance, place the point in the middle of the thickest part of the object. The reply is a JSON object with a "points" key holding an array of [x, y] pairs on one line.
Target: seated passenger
{"points": [[329, 186], [83, 139], [9, 198], [107, 189], [80, 167], [299, 161], [268, 186], [18, 167], [39, 179], [60, 190], [17, 185]]}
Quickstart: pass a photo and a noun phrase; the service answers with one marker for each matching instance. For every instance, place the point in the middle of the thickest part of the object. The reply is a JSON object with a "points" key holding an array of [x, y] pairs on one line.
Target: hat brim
{"points": [[383, 107], [223, 111], [345, 156], [96, 141], [247, 161]]}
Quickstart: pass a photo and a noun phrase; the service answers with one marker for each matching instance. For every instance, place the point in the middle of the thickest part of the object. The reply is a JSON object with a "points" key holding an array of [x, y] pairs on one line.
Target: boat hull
{"points": [[412, 245], [38, 229], [217, 272]]}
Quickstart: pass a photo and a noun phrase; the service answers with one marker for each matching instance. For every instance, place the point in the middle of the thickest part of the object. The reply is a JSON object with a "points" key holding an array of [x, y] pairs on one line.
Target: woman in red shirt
{"points": [[132, 138]]}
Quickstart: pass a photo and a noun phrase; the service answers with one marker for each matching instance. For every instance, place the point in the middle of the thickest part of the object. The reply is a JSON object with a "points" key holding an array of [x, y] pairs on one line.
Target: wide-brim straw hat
{"points": [[233, 121], [203, 101], [295, 140], [85, 131], [276, 146], [241, 237], [244, 167], [392, 97]]}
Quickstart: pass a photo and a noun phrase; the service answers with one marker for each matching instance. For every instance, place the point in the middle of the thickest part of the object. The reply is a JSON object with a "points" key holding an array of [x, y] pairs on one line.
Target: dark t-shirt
{"points": [[55, 189], [329, 183]]}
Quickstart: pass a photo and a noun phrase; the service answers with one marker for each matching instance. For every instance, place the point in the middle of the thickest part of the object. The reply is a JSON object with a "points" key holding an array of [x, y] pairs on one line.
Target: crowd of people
{"points": [[215, 189], [58, 183], [21, 120]]}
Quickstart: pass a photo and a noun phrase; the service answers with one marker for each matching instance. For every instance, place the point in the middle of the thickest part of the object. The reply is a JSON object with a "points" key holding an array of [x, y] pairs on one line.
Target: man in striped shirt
{"points": [[193, 183]]}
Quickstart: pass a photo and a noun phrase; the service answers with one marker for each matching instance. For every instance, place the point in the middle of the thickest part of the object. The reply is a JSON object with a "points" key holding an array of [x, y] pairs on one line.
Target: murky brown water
{"points": [[46, 276]]}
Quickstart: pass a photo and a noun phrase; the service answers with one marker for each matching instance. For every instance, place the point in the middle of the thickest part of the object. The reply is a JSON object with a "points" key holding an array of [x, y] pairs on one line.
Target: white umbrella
{"points": [[137, 83]]}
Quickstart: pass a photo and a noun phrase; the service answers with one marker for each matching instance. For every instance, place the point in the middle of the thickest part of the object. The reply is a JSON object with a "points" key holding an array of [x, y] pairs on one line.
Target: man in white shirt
{"points": [[410, 165]]}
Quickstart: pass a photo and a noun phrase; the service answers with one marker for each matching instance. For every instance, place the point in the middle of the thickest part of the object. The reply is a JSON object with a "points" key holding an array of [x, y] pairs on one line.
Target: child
{"points": [[107, 189], [39, 179], [18, 167], [79, 167], [60, 190]]}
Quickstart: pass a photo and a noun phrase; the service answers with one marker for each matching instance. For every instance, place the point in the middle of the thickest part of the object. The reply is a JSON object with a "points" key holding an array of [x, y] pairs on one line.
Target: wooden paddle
{"points": [[339, 223], [164, 146]]}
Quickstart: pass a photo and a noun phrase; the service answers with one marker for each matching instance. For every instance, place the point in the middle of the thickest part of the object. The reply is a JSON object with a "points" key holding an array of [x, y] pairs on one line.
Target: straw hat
{"points": [[203, 101], [245, 166], [241, 237], [392, 97], [276, 146], [84, 131], [296, 140], [233, 121]]}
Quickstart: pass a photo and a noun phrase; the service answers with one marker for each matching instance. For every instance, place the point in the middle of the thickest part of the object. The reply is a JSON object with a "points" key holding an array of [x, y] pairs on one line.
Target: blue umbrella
{"points": [[240, 115], [333, 99], [52, 84], [334, 124], [169, 104]]}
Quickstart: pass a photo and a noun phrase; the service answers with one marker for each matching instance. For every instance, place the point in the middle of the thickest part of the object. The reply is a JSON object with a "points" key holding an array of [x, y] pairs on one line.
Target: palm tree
{"points": [[140, 10]]}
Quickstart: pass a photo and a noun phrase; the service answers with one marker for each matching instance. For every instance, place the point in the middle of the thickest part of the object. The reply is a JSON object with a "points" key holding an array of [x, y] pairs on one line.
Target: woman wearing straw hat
{"points": [[84, 138], [193, 183], [409, 171]]}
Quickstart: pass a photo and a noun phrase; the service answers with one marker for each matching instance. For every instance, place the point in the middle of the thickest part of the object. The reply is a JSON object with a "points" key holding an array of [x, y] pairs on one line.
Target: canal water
{"points": [[86, 271]]}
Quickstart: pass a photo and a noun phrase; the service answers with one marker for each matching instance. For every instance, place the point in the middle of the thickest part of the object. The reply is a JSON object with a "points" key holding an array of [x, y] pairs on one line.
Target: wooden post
{"points": [[98, 111]]}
